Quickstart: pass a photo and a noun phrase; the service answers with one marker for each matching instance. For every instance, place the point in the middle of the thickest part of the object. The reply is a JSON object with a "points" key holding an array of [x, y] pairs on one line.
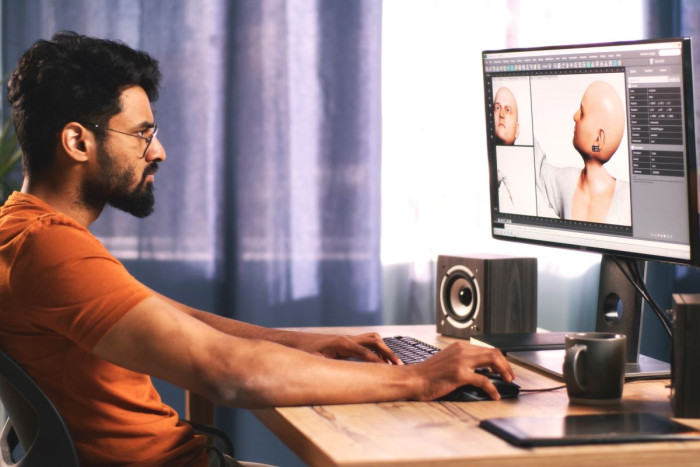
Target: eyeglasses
{"points": [[140, 134]]}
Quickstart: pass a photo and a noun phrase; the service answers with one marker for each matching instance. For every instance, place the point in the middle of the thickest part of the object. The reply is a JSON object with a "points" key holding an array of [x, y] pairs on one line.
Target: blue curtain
{"points": [[270, 116], [268, 205], [303, 192], [302, 247]]}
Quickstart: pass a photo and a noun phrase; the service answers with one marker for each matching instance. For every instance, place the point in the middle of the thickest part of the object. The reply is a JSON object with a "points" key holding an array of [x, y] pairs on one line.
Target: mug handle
{"points": [[573, 354]]}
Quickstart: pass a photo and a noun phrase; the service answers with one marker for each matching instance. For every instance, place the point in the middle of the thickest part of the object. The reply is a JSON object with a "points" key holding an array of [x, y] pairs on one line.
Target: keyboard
{"points": [[411, 350]]}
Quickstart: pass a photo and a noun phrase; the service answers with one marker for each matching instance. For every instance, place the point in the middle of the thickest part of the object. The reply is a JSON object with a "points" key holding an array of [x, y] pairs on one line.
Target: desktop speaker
{"points": [[685, 358], [486, 295]]}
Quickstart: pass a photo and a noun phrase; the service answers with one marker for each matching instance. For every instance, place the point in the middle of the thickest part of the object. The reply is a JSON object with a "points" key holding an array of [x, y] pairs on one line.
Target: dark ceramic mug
{"points": [[594, 367]]}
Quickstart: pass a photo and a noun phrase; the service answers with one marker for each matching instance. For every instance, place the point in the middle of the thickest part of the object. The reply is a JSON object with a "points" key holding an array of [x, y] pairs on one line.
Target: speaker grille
{"points": [[460, 298]]}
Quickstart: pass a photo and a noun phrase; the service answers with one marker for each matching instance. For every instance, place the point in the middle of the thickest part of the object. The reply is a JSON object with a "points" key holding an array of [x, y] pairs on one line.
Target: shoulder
{"points": [[564, 176], [571, 173], [54, 245], [56, 237], [64, 276]]}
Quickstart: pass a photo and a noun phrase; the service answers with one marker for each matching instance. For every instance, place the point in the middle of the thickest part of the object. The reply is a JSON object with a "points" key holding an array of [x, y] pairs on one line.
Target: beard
{"points": [[113, 187], [138, 202]]}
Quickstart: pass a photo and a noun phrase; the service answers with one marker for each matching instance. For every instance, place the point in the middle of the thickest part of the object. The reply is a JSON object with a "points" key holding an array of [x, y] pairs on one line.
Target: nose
{"points": [[155, 151], [577, 115]]}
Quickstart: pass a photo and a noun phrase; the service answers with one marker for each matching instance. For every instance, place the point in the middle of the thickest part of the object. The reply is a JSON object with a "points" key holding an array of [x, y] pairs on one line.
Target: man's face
{"points": [[125, 186], [505, 116], [585, 127], [124, 177]]}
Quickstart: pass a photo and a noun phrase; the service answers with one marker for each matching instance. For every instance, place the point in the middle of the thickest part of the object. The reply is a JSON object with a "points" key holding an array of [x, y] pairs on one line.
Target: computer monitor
{"points": [[592, 147]]}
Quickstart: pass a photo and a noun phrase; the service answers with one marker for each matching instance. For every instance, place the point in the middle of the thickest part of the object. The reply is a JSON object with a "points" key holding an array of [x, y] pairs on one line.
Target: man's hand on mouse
{"points": [[456, 366]]}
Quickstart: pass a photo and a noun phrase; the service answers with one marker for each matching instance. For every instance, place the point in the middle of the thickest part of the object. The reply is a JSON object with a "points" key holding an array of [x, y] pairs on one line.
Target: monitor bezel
{"points": [[690, 160]]}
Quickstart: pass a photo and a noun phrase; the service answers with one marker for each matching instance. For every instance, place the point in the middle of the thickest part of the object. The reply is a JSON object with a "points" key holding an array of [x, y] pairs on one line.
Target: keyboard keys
{"points": [[409, 349]]}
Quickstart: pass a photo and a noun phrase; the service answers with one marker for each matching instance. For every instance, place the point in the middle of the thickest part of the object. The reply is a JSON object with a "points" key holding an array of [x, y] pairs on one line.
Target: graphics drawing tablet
{"points": [[588, 429]]}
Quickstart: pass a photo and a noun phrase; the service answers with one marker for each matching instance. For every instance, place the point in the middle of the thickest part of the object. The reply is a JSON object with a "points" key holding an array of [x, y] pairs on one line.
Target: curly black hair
{"points": [[72, 78]]}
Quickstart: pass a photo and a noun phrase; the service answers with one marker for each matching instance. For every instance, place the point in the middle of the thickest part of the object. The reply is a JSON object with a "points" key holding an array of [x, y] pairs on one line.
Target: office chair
{"points": [[33, 422], [36, 426]]}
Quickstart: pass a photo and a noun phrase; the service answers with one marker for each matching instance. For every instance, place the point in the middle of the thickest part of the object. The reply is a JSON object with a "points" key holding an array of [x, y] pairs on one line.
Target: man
{"points": [[590, 194], [91, 334], [505, 116]]}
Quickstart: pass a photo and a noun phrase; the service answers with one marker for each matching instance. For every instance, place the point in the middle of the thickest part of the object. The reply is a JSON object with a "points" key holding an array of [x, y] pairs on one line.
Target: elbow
{"points": [[240, 393], [231, 385], [216, 390]]}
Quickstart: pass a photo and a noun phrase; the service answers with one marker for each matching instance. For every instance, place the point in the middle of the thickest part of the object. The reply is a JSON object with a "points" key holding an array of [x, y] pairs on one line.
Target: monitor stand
{"points": [[620, 307], [648, 367], [620, 311], [552, 362]]}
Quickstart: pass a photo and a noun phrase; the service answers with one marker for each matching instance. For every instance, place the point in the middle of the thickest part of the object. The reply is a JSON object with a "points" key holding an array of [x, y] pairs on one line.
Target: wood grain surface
{"points": [[447, 433]]}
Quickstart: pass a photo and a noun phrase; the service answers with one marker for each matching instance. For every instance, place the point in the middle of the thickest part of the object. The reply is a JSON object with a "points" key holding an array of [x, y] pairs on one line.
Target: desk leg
{"points": [[199, 409]]}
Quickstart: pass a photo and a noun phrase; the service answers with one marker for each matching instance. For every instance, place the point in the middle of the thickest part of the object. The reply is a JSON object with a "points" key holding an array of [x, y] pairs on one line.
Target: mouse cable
{"points": [[563, 386], [543, 389]]}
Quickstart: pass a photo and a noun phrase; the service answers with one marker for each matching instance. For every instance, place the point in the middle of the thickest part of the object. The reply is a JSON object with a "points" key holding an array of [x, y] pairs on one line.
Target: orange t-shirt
{"points": [[60, 292]]}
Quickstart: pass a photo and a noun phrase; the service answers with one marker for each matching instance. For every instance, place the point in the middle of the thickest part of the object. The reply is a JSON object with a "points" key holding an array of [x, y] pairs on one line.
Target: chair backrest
{"points": [[33, 421]]}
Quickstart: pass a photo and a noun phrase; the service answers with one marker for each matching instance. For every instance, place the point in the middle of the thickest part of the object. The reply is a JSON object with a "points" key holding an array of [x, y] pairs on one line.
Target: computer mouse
{"points": [[474, 393]]}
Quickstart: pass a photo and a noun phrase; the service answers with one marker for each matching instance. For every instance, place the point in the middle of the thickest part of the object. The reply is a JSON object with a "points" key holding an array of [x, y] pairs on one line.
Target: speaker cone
{"points": [[459, 296]]}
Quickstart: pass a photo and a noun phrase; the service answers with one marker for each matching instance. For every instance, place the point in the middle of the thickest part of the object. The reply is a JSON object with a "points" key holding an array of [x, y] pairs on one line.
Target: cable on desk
{"points": [[627, 380], [544, 389]]}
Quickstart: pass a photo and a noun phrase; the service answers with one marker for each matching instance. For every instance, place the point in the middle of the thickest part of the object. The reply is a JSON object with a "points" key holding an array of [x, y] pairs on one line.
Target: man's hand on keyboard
{"points": [[368, 347], [455, 366]]}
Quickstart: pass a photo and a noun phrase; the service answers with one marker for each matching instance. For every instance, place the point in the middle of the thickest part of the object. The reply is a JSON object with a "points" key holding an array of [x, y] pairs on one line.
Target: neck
{"points": [[594, 178], [62, 199]]}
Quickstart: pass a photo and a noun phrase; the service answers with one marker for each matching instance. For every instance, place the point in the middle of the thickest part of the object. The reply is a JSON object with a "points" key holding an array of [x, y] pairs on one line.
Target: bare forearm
{"points": [[239, 328], [231, 326], [156, 339], [257, 371], [300, 340], [368, 347], [271, 375]]}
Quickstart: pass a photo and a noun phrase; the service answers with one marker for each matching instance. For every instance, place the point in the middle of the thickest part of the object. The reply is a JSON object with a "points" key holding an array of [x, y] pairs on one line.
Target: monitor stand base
{"points": [[552, 361], [648, 367]]}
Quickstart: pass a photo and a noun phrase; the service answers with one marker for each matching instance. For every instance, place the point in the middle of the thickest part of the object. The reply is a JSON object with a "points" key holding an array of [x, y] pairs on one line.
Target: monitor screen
{"points": [[592, 147]]}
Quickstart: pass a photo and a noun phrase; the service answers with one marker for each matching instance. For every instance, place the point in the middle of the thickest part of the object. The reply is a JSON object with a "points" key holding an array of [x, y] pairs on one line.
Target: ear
{"points": [[76, 141], [600, 140]]}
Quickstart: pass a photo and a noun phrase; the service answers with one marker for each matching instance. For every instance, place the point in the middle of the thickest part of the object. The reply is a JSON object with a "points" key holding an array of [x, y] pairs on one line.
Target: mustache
{"points": [[151, 169]]}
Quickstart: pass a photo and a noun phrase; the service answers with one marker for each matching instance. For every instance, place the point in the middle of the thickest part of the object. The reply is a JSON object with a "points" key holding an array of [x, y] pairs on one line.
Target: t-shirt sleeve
{"points": [[66, 282]]}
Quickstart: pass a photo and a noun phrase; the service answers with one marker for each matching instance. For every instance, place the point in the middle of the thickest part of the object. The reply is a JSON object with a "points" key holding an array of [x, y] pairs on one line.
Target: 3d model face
{"points": [[599, 122], [505, 115]]}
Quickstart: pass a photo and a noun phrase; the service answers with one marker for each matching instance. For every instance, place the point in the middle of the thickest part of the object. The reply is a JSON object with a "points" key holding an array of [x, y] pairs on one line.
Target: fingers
{"points": [[366, 354], [384, 351], [374, 344], [489, 357], [456, 366], [501, 366], [484, 383], [364, 347]]}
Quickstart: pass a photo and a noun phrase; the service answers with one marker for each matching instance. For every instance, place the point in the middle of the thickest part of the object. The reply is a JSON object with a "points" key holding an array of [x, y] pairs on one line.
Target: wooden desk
{"points": [[447, 433]]}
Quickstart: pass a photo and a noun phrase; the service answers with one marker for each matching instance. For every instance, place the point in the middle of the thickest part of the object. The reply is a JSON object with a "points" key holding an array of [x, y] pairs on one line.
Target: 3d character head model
{"points": [[505, 116], [599, 122]]}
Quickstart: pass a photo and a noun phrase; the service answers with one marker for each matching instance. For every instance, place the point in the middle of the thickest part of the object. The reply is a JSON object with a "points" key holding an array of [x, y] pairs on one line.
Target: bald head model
{"points": [[599, 122], [505, 116]]}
